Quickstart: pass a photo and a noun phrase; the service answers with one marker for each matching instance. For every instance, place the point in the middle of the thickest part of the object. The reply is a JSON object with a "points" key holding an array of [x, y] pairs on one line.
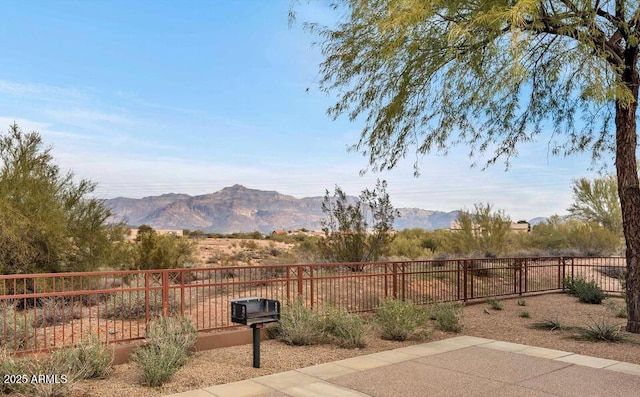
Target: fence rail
{"points": [[45, 311]]}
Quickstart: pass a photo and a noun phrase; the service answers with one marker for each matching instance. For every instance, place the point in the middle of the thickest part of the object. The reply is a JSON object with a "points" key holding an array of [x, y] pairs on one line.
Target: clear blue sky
{"points": [[152, 97]]}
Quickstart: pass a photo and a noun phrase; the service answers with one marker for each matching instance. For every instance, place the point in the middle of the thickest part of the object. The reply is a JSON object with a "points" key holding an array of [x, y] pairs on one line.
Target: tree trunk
{"points": [[629, 192]]}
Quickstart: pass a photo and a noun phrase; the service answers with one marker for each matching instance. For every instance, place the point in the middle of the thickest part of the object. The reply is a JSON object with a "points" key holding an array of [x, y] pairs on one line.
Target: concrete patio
{"points": [[461, 366]]}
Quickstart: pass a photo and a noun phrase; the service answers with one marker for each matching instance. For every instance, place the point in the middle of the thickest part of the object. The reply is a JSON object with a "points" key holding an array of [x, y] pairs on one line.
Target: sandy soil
{"points": [[231, 364]]}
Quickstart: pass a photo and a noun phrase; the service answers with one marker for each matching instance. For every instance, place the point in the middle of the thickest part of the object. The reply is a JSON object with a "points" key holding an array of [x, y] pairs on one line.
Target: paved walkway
{"points": [[461, 366]]}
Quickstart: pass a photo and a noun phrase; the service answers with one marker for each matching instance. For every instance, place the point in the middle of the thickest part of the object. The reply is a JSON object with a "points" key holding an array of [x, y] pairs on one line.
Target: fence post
{"points": [[464, 270], [288, 282], [146, 296], [395, 280], [404, 298], [458, 278], [561, 273], [311, 286], [165, 293], [300, 268]]}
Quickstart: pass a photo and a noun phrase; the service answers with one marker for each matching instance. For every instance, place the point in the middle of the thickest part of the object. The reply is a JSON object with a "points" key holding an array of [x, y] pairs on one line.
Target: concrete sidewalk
{"points": [[461, 366]]}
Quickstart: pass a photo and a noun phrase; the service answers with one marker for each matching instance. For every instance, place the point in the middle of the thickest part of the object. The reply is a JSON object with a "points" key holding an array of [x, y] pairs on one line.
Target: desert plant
{"points": [[12, 368], [348, 330], [522, 302], [170, 341], [524, 314], [93, 358], [131, 305], [400, 320], [495, 304], [585, 291], [300, 325], [601, 330], [549, 324], [14, 328], [55, 311], [447, 316]]}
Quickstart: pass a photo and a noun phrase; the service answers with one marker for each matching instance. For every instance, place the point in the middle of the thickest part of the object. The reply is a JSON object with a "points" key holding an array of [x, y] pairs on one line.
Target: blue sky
{"points": [[152, 97]]}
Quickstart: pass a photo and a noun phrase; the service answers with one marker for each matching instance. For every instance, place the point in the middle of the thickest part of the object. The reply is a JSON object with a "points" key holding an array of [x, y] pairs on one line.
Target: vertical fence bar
{"points": [[458, 279], [311, 286], [395, 280], [464, 270], [404, 296], [165, 293], [288, 283], [299, 270]]}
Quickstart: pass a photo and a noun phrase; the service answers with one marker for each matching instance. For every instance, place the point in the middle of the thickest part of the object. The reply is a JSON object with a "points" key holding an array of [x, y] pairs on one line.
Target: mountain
{"points": [[240, 209]]}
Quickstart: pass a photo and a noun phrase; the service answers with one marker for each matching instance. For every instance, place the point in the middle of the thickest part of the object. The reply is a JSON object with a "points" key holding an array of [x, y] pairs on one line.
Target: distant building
{"points": [[133, 233], [477, 229]]}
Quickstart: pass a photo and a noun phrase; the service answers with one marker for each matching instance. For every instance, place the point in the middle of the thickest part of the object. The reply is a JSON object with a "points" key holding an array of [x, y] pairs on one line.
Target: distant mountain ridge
{"points": [[240, 209]]}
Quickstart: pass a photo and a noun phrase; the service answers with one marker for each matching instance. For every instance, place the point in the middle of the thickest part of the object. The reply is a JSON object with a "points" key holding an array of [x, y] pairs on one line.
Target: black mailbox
{"points": [[254, 310]]}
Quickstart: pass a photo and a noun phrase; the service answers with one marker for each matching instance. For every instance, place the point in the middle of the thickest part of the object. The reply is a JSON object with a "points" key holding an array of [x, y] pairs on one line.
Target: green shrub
{"points": [[522, 302], [549, 324], [15, 330], [399, 320], [602, 330], [448, 316], [585, 291], [169, 343], [349, 330], [495, 304], [300, 325], [92, 358], [524, 314]]}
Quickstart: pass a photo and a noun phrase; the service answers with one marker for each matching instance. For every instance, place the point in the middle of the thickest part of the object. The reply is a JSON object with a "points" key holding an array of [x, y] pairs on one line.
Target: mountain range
{"points": [[240, 209]]}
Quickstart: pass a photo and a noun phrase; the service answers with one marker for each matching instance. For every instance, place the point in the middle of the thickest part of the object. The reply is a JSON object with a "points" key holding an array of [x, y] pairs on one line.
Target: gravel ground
{"points": [[231, 364]]}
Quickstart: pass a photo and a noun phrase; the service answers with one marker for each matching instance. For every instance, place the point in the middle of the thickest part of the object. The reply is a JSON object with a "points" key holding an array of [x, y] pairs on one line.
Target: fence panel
{"points": [[44, 311]]}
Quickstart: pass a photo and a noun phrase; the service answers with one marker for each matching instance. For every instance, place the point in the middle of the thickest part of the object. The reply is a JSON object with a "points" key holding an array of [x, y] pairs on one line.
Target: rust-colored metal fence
{"points": [[44, 311]]}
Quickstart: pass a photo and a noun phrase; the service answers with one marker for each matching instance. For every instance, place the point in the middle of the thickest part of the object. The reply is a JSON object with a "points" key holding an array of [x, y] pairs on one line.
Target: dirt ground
{"points": [[207, 368]]}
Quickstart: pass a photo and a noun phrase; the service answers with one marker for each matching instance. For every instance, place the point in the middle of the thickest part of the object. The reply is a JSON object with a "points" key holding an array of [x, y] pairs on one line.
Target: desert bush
{"points": [[348, 330], [399, 320], [601, 331], [522, 302], [54, 311], [169, 343], [10, 366], [495, 304], [300, 325], [549, 324], [585, 291], [524, 314], [15, 330], [92, 358], [131, 305], [448, 316], [63, 370]]}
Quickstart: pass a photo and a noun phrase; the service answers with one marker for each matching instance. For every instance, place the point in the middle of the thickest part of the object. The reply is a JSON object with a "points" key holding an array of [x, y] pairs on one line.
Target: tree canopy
{"points": [[48, 221], [597, 201], [425, 75]]}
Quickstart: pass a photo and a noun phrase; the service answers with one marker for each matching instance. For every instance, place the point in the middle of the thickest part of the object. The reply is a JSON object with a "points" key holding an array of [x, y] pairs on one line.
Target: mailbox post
{"points": [[255, 312]]}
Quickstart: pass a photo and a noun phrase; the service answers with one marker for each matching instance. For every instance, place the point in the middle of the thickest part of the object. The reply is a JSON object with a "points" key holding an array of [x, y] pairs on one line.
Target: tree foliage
{"points": [[48, 221], [156, 251], [482, 232], [425, 75], [360, 230], [597, 201], [571, 236]]}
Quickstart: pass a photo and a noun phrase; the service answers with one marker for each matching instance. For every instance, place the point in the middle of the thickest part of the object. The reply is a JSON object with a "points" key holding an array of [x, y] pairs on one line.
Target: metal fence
{"points": [[45, 311]]}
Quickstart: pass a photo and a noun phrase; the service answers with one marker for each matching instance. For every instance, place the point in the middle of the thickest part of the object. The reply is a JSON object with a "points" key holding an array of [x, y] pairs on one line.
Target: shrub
{"points": [[300, 325], [448, 316], [602, 330], [9, 366], [549, 324], [54, 311], [92, 358], [399, 320], [349, 330], [522, 302], [131, 305], [524, 314], [14, 328], [170, 341], [586, 292], [495, 304]]}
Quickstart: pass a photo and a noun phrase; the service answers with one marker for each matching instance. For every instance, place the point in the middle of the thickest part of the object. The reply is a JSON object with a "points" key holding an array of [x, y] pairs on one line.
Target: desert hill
{"points": [[240, 209]]}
